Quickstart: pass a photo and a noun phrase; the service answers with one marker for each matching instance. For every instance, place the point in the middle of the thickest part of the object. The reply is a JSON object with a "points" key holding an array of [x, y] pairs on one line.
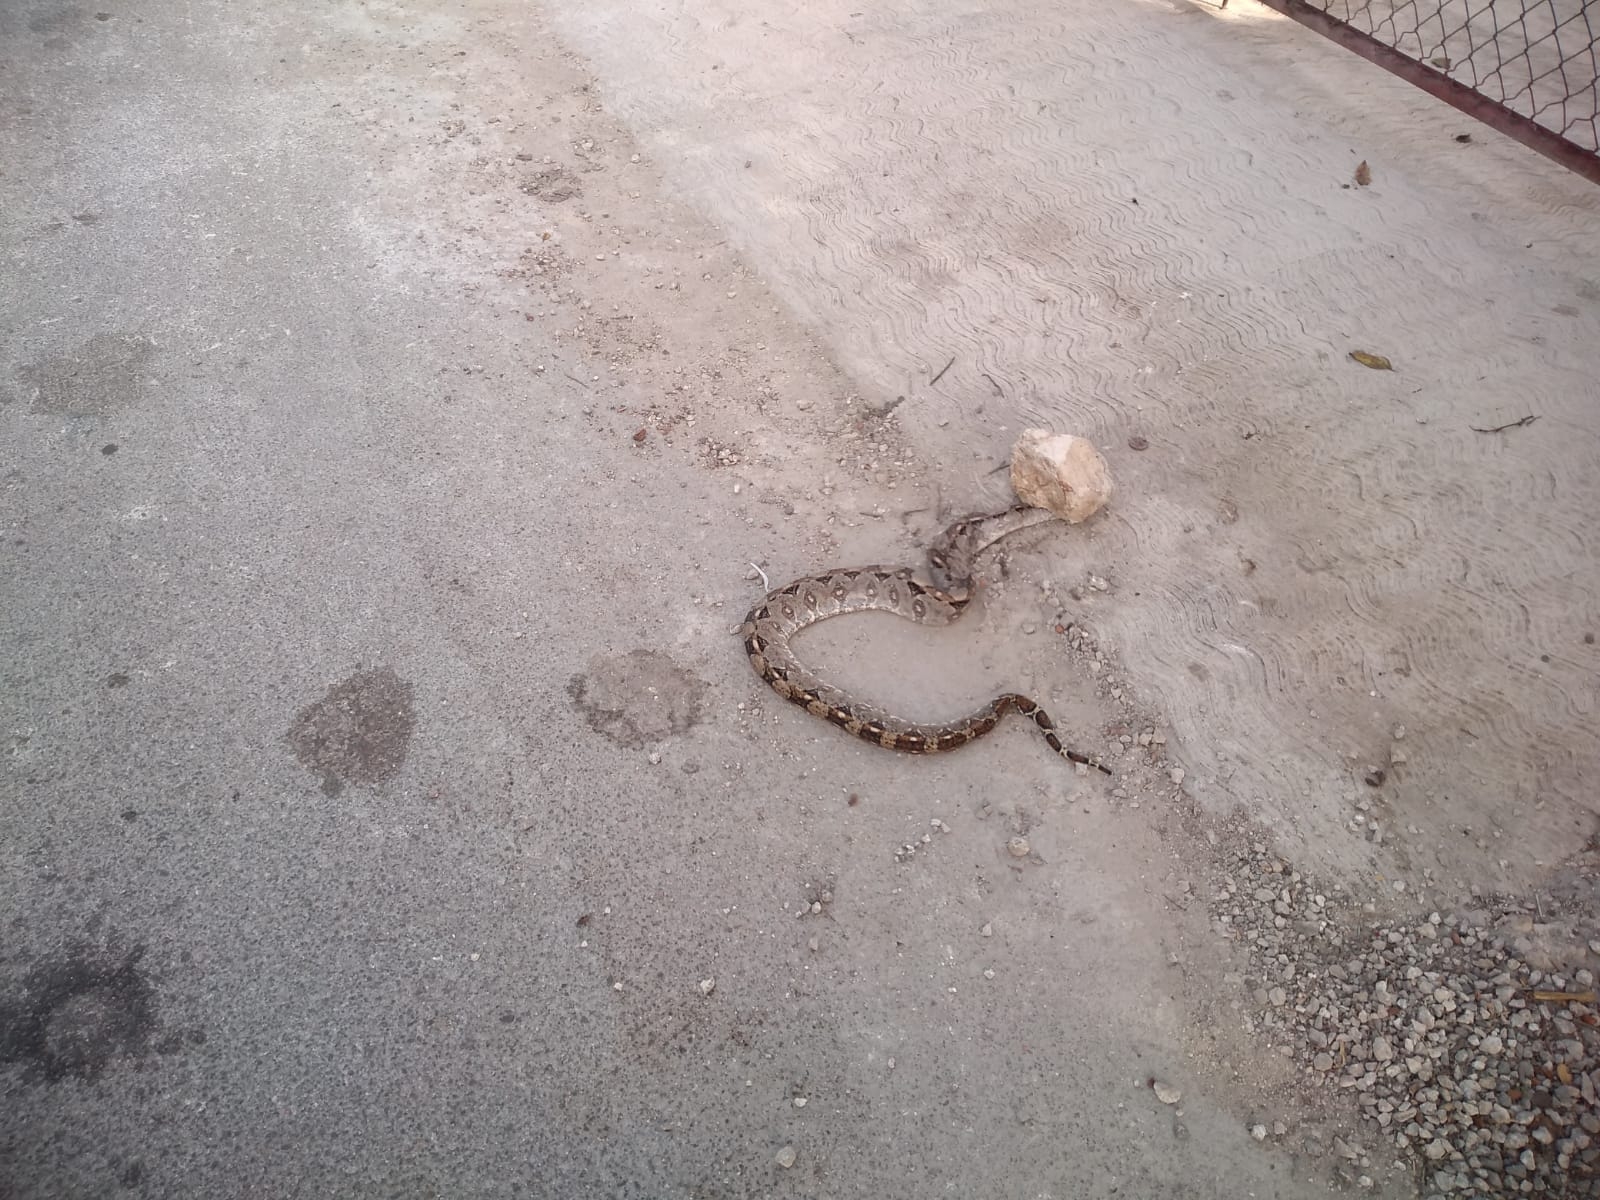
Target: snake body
{"points": [[940, 598]]}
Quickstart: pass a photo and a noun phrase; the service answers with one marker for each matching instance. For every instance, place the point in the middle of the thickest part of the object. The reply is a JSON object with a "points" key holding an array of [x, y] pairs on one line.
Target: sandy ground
{"points": [[396, 399]]}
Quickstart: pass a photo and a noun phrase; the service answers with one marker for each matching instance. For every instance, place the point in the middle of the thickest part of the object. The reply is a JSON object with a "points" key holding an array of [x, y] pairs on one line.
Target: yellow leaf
{"points": [[1376, 361]]}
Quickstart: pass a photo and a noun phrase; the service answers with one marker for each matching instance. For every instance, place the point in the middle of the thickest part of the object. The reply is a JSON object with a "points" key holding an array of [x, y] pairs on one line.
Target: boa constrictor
{"points": [[939, 599]]}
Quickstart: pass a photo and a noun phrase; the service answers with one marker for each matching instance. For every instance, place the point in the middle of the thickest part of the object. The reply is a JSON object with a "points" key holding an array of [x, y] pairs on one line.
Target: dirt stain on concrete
{"points": [[103, 374], [639, 697], [358, 732]]}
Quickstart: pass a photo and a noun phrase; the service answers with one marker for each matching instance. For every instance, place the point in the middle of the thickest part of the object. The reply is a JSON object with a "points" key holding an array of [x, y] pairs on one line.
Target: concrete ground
{"points": [[395, 400]]}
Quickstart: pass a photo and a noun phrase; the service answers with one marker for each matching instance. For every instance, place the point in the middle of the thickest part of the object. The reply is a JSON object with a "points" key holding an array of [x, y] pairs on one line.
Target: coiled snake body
{"points": [[939, 599]]}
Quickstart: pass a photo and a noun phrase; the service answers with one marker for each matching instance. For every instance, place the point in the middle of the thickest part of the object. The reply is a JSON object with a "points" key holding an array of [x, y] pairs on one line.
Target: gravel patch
{"points": [[1469, 1039]]}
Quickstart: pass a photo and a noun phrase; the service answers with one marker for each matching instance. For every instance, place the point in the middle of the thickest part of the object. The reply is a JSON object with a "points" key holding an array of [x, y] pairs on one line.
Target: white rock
{"points": [[785, 1157], [1168, 1094], [707, 986], [1019, 848], [1060, 472]]}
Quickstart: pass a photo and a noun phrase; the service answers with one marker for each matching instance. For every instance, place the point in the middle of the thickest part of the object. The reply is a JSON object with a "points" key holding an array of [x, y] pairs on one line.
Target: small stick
{"points": [[575, 379], [764, 581], [1527, 420], [942, 370], [1566, 997]]}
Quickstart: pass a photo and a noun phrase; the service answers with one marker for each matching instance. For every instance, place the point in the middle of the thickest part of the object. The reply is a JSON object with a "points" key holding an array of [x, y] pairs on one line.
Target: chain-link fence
{"points": [[1537, 60]]}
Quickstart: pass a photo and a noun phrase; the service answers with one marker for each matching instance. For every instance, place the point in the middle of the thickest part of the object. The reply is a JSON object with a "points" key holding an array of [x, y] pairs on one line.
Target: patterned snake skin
{"points": [[941, 600]]}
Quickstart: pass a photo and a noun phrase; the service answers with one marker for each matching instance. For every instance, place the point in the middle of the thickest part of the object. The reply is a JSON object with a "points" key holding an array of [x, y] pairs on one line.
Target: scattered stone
{"points": [[1259, 1132], [1470, 1040], [1061, 472], [707, 986], [1166, 1093], [785, 1157], [1018, 847]]}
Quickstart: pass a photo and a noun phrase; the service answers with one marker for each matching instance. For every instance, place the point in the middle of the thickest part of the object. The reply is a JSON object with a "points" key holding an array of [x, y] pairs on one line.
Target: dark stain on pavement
{"points": [[639, 697], [79, 1014], [104, 373], [358, 732]]}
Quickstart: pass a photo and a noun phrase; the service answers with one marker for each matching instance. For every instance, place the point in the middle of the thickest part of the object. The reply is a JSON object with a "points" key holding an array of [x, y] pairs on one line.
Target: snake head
{"points": [[951, 557]]}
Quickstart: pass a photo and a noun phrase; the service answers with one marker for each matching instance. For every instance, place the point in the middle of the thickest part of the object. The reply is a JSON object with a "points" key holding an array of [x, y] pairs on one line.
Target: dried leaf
{"points": [[1363, 173], [1376, 361]]}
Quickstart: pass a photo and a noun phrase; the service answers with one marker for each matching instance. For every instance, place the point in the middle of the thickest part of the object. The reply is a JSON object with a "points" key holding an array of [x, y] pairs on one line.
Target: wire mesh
{"points": [[1538, 58]]}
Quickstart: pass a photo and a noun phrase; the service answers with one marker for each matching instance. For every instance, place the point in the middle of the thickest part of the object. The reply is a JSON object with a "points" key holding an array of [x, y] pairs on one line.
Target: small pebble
{"points": [[1166, 1093], [785, 1157], [1018, 847]]}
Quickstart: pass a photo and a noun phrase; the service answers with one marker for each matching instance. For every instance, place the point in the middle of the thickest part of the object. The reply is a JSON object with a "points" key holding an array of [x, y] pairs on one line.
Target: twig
{"points": [[575, 379], [998, 391], [765, 583], [942, 370], [1564, 997], [1527, 420]]}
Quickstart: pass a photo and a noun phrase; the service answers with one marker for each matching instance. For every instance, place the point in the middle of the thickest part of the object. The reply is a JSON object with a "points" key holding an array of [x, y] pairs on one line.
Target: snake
{"points": [[938, 598]]}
